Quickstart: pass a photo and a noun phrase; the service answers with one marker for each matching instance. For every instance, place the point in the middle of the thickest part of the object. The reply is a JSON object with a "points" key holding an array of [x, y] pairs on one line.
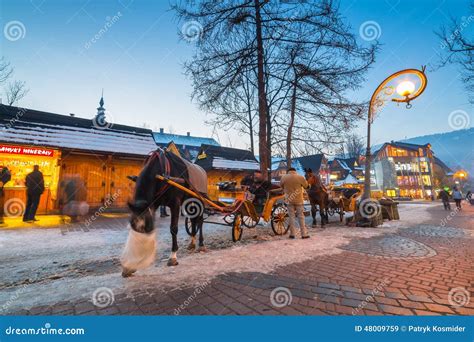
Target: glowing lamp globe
{"points": [[405, 88]]}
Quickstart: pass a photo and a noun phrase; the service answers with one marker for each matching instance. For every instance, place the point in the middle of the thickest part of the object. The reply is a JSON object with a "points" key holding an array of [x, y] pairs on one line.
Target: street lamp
{"points": [[407, 91]]}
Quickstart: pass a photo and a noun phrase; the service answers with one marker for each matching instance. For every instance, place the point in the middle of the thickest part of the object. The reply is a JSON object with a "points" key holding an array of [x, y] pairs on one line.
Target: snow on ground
{"points": [[42, 266]]}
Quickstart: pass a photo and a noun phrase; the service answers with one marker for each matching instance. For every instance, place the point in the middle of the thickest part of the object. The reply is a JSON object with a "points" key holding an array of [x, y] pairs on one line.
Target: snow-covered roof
{"points": [[36, 128], [221, 163], [350, 179], [183, 140], [226, 158]]}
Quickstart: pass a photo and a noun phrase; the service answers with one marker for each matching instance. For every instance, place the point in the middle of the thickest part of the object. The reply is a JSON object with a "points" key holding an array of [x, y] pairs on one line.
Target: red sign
{"points": [[31, 151]]}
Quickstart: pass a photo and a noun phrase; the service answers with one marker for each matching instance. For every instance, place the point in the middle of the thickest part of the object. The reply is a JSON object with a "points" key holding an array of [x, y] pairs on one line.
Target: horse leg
{"points": [[200, 223], [322, 213], [313, 214], [192, 244], [173, 260]]}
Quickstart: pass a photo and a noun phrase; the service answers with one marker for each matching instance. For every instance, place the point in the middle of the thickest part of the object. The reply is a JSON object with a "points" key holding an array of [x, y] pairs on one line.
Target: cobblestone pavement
{"points": [[423, 269]]}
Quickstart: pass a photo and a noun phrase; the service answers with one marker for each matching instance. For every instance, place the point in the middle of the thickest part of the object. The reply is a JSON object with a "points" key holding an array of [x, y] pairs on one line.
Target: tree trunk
{"points": [[262, 97], [252, 147], [290, 125]]}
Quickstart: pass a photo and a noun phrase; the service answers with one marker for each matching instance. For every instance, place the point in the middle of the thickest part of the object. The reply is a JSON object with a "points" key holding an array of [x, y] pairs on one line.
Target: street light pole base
{"points": [[373, 220]]}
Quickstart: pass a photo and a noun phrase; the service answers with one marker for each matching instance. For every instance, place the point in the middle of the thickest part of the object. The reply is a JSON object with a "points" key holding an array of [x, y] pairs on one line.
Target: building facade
{"points": [[346, 172], [98, 153], [187, 145], [403, 170], [225, 167]]}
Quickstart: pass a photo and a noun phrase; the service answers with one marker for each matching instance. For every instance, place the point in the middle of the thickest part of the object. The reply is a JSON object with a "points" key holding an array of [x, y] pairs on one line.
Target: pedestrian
{"points": [[5, 177], [73, 198], [34, 189], [163, 212], [457, 196], [259, 188], [444, 195], [293, 186]]}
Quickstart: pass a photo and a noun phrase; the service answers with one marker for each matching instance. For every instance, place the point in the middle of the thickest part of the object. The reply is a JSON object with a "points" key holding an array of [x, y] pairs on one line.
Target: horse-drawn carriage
{"points": [[241, 213], [341, 200]]}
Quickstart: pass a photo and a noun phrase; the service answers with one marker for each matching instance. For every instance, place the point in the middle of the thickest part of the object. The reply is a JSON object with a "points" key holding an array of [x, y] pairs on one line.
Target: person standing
{"points": [[444, 195], [5, 177], [293, 186], [34, 189], [457, 196]]}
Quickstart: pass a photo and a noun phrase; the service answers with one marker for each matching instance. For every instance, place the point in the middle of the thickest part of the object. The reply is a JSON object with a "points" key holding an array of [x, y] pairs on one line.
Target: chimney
{"points": [[188, 134], [162, 130], [72, 114]]}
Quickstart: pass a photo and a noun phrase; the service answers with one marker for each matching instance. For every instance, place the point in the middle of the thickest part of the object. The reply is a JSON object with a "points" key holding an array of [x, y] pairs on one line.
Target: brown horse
{"points": [[317, 196]]}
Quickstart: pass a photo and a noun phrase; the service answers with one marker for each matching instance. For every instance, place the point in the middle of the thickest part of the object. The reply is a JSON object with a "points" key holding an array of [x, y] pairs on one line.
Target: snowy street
{"points": [[413, 263]]}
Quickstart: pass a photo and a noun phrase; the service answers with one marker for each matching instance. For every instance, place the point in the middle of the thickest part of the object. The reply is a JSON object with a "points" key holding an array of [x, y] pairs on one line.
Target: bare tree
{"points": [[15, 91], [354, 146], [6, 71], [459, 47], [298, 57]]}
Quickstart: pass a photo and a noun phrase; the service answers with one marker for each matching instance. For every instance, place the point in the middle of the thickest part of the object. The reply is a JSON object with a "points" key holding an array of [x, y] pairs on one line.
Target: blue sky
{"points": [[138, 62]]}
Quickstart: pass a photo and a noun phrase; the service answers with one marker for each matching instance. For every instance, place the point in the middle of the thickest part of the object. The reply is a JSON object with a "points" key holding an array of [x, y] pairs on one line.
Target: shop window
{"points": [[426, 180]]}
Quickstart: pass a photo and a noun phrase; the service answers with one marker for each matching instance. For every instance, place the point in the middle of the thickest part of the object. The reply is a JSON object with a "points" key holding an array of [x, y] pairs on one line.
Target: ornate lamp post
{"points": [[407, 91]]}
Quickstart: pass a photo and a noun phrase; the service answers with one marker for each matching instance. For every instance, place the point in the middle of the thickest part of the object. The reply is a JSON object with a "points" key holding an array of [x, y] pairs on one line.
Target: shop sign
{"points": [[31, 151]]}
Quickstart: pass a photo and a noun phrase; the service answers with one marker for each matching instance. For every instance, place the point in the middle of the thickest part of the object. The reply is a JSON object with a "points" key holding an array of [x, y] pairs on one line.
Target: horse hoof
{"points": [[126, 272], [314, 225], [191, 246], [202, 249], [172, 262]]}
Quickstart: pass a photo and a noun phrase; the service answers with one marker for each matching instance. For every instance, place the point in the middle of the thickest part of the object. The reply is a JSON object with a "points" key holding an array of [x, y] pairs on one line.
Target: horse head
{"points": [[142, 218], [308, 174], [144, 203]]}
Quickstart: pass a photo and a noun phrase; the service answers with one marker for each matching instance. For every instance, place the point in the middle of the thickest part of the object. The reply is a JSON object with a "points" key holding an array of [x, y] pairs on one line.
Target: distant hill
{"points": [[455, 148]]}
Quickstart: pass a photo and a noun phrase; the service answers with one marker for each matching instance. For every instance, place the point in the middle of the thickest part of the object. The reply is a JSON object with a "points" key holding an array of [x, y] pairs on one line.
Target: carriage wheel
{"points": [[189, 227], [280, 220], [248, 222], [237, 227]]}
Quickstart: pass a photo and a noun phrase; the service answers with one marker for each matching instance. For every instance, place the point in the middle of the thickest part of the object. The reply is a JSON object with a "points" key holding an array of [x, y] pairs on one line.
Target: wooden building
{"points": [[225, 169], [346, 172], [101, 154], [187, 145], [316, 162]]}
